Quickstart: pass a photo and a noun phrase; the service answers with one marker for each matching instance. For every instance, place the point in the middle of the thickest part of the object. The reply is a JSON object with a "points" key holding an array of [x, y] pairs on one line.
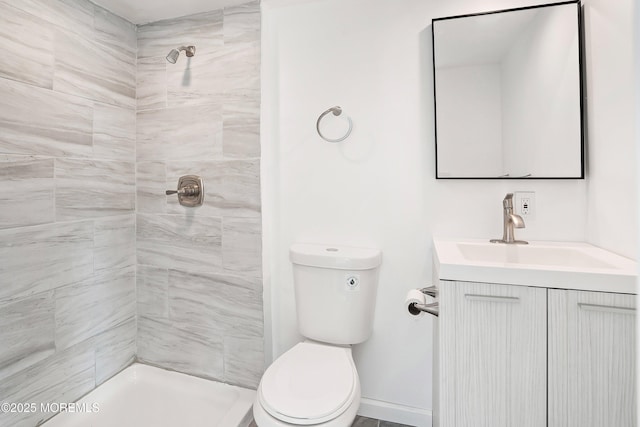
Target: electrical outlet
{"points": [[525, 205]]}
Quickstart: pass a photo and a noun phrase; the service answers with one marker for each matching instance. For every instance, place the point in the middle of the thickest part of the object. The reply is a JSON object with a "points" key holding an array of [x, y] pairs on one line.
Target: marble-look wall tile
{"points": [[242, 23], [232, 187], [67, 147], [232, 69], [242, 245], [28, 54], [42, 122], [151, 88], [26, 191], [195, 82], [75, 15], [160, 343], [114, 132], [152, 284], [224, 303], [93, 188], [94, 70], [151, 184], [241, 188], [242, 75], [191, 81], [187, 242], [241, 127], [158, 38], [115, 350], [113, 31], [26, 332], [114, 243], [199, 270], [93, 306], [43, 257], [244, 361], [187, 133], [215, 69], [198, 80], [63, 377]]}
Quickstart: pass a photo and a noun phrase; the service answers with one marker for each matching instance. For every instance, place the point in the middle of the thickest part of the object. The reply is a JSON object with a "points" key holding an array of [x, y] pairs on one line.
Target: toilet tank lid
{"points": [[334, 256]]}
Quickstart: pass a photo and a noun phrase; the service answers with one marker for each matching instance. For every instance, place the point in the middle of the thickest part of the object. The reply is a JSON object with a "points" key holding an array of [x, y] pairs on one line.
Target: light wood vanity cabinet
{"points": [[592, 356], [518, 356]]}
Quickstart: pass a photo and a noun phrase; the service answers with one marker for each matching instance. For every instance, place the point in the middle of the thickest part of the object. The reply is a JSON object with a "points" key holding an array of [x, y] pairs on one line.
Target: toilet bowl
{"points": [[316, 381], [313, 383]]}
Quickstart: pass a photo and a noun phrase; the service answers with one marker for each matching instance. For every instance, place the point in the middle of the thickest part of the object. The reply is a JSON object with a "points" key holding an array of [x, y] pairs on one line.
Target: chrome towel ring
{"points": [[336, 112]]}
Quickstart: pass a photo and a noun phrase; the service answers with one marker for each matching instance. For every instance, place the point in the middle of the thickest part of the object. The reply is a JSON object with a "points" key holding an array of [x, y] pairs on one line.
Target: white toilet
{"points": [[316, 381]]}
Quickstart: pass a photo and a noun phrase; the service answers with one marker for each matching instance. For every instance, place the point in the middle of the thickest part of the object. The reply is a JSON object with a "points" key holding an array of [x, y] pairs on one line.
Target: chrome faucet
{"points": [[510, 221]]}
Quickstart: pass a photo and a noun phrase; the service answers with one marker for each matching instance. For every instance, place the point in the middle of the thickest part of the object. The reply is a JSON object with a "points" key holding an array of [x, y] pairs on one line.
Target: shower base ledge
{"points": [[143, 395]]}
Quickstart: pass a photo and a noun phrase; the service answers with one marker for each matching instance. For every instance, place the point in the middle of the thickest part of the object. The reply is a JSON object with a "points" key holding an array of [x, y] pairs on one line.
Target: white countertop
{"points": [[564, 265]]}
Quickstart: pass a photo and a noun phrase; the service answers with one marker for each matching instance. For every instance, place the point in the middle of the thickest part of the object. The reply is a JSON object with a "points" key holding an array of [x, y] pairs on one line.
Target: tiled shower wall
{"points": [[199, 283], [67, 199], [70, 162]]}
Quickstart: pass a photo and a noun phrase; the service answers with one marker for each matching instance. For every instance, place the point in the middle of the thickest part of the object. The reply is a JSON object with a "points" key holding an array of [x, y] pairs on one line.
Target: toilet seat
{"points": [[310, 384]]}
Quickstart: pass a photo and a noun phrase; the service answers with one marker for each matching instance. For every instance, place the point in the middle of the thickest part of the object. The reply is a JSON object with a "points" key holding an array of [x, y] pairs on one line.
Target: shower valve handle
{"points": [[188, 190]]}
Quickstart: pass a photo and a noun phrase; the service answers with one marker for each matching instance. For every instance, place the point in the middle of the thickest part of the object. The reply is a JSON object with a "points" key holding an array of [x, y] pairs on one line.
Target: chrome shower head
{"points": [[172, 57]]}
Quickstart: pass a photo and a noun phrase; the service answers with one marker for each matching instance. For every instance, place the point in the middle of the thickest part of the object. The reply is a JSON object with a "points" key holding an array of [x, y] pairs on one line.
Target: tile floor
{"points": [[371, 422], [362, 422]]}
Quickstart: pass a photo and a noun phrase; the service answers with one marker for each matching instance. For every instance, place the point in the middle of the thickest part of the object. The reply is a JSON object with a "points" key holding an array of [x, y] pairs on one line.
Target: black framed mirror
{"points": [[508, 93]]}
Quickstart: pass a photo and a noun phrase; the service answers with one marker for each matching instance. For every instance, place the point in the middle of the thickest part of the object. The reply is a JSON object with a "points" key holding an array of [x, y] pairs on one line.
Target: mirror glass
{"points": [[508, 90]]}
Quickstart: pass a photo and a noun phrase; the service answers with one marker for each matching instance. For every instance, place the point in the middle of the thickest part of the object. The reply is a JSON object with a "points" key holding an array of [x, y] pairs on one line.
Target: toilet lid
{"points": [[309, 383]]}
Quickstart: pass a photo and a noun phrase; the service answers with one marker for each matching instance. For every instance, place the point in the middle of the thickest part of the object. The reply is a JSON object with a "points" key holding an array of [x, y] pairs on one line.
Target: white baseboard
{"points": [[395, 413]]}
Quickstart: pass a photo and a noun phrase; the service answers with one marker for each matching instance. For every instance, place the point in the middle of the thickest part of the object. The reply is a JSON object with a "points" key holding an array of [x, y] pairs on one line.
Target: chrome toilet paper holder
{"points": [[430, 291], [432, 308]]}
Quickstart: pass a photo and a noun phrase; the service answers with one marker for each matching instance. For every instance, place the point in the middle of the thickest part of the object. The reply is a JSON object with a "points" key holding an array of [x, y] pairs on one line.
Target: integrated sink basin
{"points": [[564, 265], [531, 255]]}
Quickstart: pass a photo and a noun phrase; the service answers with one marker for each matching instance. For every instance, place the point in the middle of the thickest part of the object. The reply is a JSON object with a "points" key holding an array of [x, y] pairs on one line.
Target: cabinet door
{"points": [[493, 355], [591, 359]]}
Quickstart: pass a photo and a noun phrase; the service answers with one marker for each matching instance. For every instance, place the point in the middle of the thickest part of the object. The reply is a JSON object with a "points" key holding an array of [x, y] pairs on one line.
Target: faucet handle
{"points": [[507, 202]]}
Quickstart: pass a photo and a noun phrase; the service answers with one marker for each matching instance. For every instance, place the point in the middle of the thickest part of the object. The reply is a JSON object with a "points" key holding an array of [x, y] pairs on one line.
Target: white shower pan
{"points": [[143, 395]]}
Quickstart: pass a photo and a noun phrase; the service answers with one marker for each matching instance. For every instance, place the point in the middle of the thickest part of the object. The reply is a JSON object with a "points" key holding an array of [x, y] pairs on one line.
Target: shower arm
{"points": [[189, 50]]}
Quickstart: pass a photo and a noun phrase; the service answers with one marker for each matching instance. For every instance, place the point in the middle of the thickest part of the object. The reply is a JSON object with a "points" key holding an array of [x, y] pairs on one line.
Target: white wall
{"points": [[612, 168], [373, 57], [636, 51]]}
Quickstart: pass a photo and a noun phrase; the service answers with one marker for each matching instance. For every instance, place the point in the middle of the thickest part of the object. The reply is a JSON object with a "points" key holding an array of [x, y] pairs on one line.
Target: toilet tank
{"points": [[335, 290]]}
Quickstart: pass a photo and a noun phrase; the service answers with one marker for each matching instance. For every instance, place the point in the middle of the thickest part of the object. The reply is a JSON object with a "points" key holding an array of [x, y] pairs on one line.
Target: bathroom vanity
{"points": [[533, 335]]}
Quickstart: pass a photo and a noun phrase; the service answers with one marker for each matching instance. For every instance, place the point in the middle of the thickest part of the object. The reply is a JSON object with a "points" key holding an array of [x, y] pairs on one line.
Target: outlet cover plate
{"points": [[525, 205]]}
